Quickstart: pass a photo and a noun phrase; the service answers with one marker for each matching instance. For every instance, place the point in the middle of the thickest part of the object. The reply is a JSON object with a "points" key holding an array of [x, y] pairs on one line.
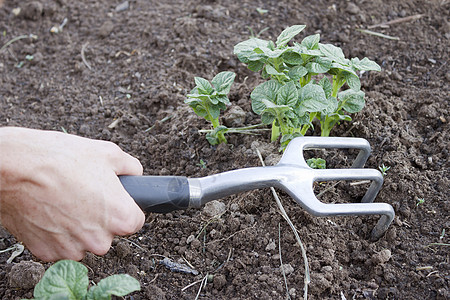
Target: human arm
{"points": [[60, 194]]}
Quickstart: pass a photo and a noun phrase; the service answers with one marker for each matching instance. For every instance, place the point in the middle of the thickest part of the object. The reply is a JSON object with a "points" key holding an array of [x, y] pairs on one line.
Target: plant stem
{"points": [[275, 132]]}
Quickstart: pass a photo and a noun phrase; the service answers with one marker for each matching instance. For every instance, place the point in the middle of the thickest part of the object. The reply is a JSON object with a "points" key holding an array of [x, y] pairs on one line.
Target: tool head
{"points": [[299, 183]]}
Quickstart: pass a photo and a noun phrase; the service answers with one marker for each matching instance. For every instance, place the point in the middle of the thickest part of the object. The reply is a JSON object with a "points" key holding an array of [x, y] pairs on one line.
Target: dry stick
{"points": [[20, 37], [297, 237], [281, 262], [202, 285], [379, 34], [83, 48], [396, 21]]}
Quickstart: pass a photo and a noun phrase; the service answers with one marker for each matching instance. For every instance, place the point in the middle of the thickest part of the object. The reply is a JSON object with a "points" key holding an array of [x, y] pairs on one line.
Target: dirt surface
{"points": [[121, 73]]}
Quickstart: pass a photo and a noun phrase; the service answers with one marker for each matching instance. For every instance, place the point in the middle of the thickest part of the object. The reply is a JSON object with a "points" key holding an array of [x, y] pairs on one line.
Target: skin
{"points": [[60, 194]]}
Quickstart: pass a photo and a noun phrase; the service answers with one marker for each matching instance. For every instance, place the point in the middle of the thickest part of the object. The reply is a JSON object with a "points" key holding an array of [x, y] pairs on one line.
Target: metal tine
{"points": [[354, 174], [308, 201], [293, 154]]}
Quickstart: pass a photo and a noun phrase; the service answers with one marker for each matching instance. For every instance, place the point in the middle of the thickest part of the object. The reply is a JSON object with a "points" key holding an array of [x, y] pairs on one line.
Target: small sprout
{"points": [[19, 64], [202, 164], [420, 201], [128, 96], [261, 11], [317, 163], [29, 57], [384, 169], [442, 234]]}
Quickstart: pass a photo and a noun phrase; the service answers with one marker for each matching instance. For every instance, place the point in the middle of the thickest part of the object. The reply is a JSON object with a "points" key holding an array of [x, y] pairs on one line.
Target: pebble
{"points": [[214, 208], [271, 246], [26, 274], [381, 257], [352, 9], [287, 269], [105, 29]]}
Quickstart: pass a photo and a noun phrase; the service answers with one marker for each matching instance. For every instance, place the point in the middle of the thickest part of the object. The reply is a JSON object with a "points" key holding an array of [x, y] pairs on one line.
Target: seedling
{"points": [[291, 98], [317, 163], [68, 279], [384, 169], [420, 201], [208, 99]]}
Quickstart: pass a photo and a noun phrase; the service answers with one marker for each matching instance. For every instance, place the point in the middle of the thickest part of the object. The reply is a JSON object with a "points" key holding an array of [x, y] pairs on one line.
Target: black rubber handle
{"points": [[158, 194]]}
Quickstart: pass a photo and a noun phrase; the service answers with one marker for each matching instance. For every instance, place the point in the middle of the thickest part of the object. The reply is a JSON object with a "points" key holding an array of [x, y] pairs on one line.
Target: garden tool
{"points": [[292, 174]]}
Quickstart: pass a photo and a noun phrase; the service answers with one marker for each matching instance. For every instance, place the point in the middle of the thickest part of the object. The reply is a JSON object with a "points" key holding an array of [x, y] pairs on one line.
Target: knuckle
{"points": [[101, 247]]}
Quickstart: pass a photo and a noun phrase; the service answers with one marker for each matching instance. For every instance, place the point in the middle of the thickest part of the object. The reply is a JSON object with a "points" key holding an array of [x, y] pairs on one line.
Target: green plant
{"points": [[68, 279], [420, 201], [208, 99], [292, 97], [384, 169], [317, 163]]}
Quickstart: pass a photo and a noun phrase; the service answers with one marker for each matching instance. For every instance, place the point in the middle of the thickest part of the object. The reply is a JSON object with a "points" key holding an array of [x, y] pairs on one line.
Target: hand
{"points": [[60, 194]]}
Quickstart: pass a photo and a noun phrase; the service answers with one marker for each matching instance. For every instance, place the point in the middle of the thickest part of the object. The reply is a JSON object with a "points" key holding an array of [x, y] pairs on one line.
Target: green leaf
{"points": [[66, 278], [248, 56], [288, 34], [332, 107], [271, 71], [214, 110], [338, 67], [325, 83], [272, 53], [297, 72], [312, 98], [292, 58], [249, 45], [117, 285], [352, 80], [265, 91], [288, 95], [223, 81], [203, 85], [311, 42], [365, 64], [334, 53], [267, 118], [352, 101], [319, 65], [255, 66], [316, 163]]}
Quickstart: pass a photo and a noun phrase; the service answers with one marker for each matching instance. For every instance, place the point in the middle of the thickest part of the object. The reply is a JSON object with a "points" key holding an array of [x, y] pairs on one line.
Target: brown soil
{"points": [[152, 50]]}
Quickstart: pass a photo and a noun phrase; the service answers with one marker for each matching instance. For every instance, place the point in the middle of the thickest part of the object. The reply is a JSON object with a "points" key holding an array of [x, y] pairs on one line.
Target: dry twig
{"points": [[83, 58], [396, 21]]}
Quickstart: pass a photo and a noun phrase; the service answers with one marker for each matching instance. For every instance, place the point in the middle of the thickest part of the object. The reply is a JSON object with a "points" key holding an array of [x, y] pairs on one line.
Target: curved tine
{"points": [[299, 144], [311, 204], [354, 174]]}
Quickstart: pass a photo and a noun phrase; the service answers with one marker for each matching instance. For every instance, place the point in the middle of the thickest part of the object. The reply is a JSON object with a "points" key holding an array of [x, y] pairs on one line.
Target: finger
{"points": [[122, 162], [129, 216]]}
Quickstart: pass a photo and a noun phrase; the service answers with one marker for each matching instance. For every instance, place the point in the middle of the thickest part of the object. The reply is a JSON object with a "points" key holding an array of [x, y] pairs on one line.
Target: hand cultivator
{"points": [[291, 174]]}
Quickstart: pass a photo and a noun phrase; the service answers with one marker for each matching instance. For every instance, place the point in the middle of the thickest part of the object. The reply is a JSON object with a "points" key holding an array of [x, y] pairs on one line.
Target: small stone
{"points": [[381, 257], [190, 239], [271, 246], [26, 274], [214, 208], [287, 269], [106, 29], [122, 6], [352, 9], [235, 117]]}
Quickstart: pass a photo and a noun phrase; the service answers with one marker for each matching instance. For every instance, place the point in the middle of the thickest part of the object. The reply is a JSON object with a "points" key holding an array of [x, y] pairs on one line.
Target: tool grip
{"points": [[160, 194]]}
